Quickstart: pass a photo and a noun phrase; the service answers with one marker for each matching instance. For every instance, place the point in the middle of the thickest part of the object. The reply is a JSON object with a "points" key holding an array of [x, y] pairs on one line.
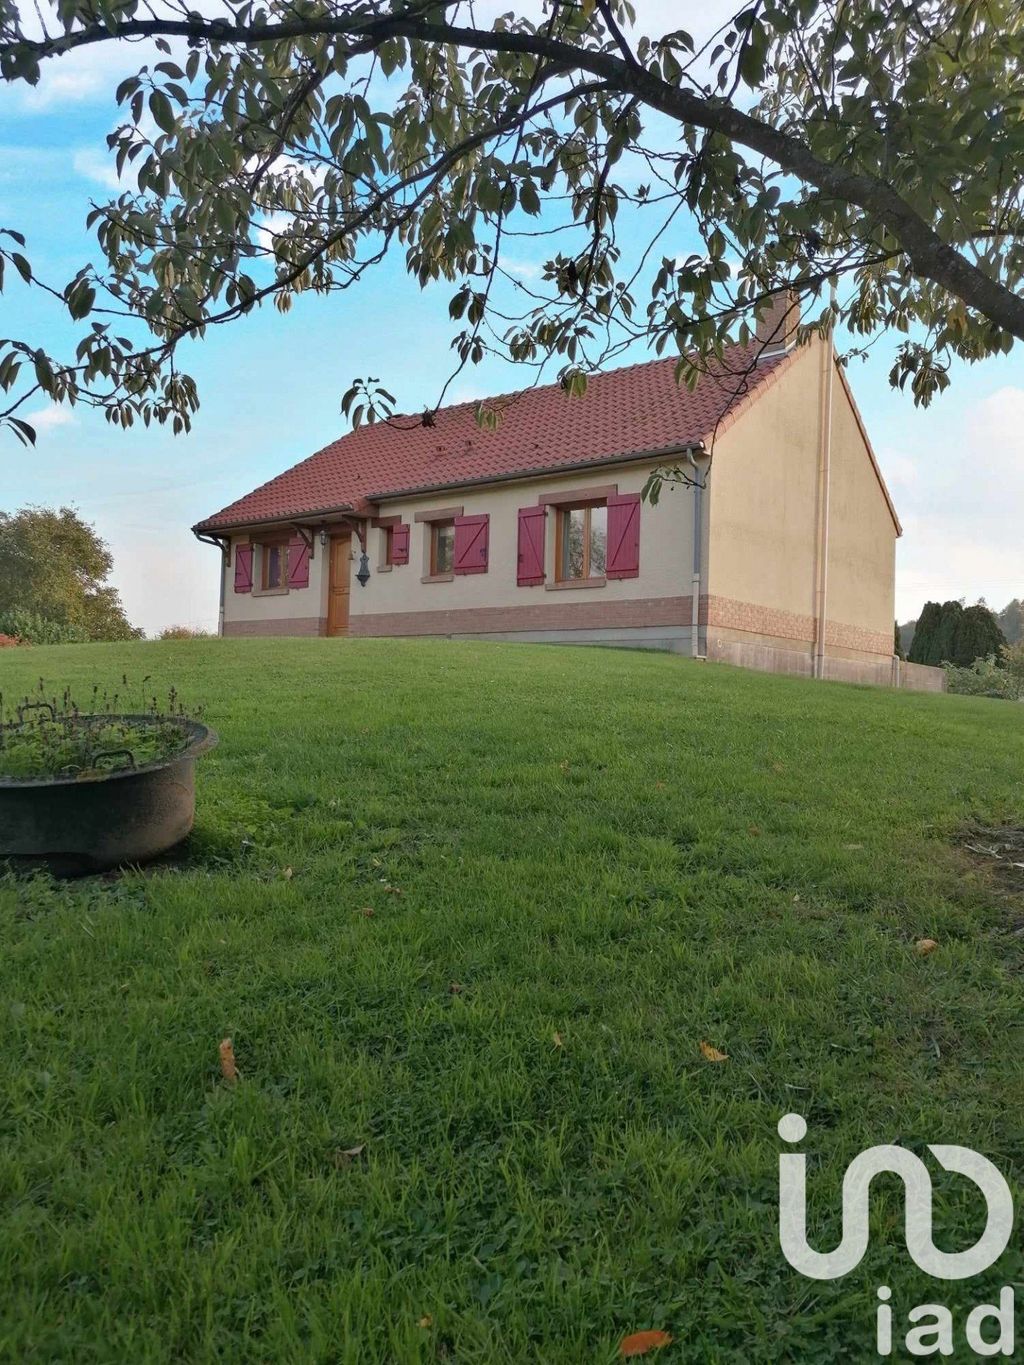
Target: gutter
{"points": [[698, 530], [824, 497], [204, 531]]}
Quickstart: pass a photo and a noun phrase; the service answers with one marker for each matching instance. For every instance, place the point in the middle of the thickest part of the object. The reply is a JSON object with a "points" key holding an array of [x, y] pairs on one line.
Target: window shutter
{"points": [[530, 562], [400, 544], [623, 536], [298, 563], [471, 536], [243, 568]]}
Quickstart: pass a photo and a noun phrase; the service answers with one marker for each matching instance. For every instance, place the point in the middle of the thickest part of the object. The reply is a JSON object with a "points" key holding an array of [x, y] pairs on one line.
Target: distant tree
{"points": [[183, 633], [977, 636], [920, 651], [54, 565], [943, 646], [897, 645], [1013, 662], [906, 637], [1011, 621]]}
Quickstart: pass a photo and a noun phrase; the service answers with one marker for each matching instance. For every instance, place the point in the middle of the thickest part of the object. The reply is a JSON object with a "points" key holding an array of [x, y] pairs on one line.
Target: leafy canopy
{"points": [[868, 156], [53, 572]]}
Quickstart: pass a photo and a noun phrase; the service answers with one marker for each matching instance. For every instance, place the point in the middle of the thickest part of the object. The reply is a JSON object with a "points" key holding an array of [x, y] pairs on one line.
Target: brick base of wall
{"points": [[291, 625], [546, 615]]}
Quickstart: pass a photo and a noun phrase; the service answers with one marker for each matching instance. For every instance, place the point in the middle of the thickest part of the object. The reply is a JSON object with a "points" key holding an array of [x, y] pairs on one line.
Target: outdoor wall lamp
{"points": [[364, 569], [323, 538]]}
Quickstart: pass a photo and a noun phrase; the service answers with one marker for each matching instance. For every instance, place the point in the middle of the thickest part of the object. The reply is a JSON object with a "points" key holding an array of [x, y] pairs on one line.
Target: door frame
{"points": [[334, 538]]}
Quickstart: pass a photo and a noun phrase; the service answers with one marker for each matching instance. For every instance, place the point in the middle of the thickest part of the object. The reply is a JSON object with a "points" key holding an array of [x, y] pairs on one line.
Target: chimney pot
{"points": [[776, 326]]}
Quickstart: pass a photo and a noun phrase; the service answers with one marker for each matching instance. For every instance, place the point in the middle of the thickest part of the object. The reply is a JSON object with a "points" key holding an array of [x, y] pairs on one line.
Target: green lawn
{"points": [[581, 864]]}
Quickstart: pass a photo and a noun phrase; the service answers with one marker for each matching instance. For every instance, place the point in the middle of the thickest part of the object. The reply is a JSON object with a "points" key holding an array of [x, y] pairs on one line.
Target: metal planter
{"points": [[80, 826]]}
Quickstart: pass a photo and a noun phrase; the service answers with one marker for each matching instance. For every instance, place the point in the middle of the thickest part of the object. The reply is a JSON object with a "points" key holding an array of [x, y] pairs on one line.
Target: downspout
{"points": [[223, 544], [824, 495], [225, 560], [695, 581]]}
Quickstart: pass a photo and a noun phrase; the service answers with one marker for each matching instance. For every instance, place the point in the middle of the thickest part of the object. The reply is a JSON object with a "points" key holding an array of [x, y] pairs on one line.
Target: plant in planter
{"points": [[82, 790]]}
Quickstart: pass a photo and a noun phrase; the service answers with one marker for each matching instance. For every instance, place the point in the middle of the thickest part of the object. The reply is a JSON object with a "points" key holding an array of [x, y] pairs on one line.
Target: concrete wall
{"points": [[799, 663], [764, 493], [921, 678]]}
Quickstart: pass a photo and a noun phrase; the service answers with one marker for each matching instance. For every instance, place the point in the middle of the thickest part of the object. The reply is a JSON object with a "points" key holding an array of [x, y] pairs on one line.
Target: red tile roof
{"points": [[626, 413]]}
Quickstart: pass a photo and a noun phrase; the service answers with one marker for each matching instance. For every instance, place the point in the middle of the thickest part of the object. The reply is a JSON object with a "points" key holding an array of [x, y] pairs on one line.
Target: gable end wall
{"points": [[764, 526]]}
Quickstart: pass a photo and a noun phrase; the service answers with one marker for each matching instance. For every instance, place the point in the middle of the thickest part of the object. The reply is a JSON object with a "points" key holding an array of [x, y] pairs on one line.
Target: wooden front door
{"points": [[340, 582]]}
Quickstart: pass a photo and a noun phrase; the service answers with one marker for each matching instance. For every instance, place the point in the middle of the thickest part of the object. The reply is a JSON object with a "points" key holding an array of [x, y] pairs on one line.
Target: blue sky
{"points": [[271, 387]]}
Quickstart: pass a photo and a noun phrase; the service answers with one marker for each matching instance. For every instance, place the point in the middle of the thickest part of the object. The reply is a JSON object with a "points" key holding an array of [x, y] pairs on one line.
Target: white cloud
{"points": [[92, 164], [46, 419], [958, 484]]}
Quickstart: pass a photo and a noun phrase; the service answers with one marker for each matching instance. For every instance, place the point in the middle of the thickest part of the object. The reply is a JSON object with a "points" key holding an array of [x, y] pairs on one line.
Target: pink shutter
{"points": [[243, 568], [298, 563], [400, 544], [623, 559], [530, 569], [471, 536]]}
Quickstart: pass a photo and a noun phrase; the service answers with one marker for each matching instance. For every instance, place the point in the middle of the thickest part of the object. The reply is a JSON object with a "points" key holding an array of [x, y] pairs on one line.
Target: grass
{"points": [[580, 864]]}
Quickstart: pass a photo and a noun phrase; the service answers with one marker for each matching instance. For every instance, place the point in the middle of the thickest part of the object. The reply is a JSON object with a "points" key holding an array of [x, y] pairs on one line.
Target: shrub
{"points": [[30, 628], [183, 633], [985, 678], [10, 641]]}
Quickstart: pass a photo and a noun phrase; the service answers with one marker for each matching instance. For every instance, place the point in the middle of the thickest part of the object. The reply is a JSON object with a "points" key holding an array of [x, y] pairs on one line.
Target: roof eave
{"points": [[315, 515]]}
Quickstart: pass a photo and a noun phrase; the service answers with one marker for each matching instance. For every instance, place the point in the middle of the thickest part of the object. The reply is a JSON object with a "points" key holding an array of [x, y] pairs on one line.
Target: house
{"points": [[779, 554]]}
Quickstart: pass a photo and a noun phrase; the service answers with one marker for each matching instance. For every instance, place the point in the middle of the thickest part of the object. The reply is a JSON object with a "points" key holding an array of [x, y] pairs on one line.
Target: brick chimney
{"points": [[776, 327]]}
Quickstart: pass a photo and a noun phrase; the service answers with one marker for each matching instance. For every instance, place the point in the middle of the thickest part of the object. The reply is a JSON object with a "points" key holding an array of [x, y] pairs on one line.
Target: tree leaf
{"points": [[642, 1343], [228, 1067], [712, 1054]]}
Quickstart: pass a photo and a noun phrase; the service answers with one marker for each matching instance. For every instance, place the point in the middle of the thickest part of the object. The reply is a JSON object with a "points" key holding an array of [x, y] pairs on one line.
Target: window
{"points": [[274, 557], [442, 547], [388, 548], [581, 537]]}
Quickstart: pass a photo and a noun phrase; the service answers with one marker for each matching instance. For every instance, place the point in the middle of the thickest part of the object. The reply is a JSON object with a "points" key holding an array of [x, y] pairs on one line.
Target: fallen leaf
{"points": [[344, 1156], [454, 988], [924, 946], [367, 912], [712, 1054], [287, 873], [393, 890], [556, 1038], [754, 831], [425, 1321], [228, 1069], [660, 786], [641, 1342]]}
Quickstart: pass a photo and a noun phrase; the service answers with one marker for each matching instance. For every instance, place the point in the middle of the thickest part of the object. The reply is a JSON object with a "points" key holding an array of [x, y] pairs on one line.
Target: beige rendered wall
{"points": [[764, 520], [654, 606], [297, 611], [862, 537]]}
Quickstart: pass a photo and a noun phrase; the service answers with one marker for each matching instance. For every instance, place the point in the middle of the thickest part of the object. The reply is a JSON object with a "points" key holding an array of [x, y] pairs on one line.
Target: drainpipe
{"points": [[695, 582], [224, 562], [824, 493]]}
